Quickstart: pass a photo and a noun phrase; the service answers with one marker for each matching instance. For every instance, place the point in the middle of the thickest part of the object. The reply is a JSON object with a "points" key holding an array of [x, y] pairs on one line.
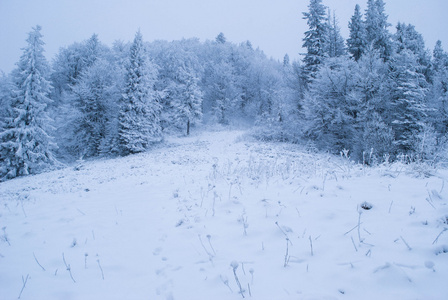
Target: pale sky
{"points": [[275, 26]]}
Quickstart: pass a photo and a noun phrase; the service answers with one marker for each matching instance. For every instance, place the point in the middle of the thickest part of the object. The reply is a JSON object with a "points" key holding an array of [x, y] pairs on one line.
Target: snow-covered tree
{"points": [[315, 37], [25, 144], [371, 93], [408, 92], [406, 37], [377, 28], [6, 87], [223, 92], [71, 61], [438, 95], [440, 57], [95, 97], [335, 43], [329, 111], [188, 102], [357, 40], [220, 38], [139, 115]]}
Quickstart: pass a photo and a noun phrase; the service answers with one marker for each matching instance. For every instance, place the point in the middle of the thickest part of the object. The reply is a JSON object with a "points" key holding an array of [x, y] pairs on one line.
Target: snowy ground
{"points": [[199, 216]]}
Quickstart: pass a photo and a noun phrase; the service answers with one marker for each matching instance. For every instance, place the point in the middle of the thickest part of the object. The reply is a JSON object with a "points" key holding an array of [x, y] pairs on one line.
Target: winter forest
{"points": [[379, 96]]}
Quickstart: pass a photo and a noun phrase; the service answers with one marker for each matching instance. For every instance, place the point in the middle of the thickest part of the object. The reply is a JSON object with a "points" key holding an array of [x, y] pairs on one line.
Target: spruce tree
{"points": [[377, 28], [335, 43], [315, 38], [440, 57], [188, 103], [408, 109], [139, 116], [25, 144], [438, 98], [356, 42], [406, 37]]}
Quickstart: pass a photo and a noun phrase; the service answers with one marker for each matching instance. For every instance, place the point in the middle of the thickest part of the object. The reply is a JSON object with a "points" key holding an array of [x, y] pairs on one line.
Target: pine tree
{"points": [[356, 42], [315, 38], [139, 123], [25, 144]]}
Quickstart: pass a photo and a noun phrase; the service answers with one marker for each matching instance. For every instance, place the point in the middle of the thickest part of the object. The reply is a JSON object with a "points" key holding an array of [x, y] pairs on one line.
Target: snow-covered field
{"points": [[219, 216]]}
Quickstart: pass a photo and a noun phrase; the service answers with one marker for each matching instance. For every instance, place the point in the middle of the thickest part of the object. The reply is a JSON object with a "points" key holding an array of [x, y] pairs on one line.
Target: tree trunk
{"points": [[188, 127]]}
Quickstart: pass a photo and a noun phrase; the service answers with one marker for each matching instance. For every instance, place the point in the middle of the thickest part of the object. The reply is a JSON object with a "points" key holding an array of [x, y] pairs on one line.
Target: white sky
{"points": [[276, 26]]}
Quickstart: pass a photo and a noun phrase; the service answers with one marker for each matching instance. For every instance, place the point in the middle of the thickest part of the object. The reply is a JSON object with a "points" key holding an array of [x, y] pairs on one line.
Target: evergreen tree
{"points": [[315, 38], [376, 28], [329, 110], [220, 38], [25, 144], [406, 37], [335, 43], [440, 61], [356, 42], [438, 97], [223, 92], [95, 97], [139, 123], [407, 95], [188, 103], [6, 87]]}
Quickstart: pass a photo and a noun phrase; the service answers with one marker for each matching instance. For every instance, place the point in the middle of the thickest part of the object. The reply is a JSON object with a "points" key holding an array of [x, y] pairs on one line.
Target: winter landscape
{"points": [[193, 169]]}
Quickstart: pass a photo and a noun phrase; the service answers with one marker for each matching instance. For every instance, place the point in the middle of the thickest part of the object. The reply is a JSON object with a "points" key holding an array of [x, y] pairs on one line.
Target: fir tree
{"points": [[25, 144], [139, 123], [315, 38], [356, 42]]}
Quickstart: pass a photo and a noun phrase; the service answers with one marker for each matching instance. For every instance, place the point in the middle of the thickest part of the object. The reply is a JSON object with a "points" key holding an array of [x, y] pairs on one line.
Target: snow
{"points": [[196, 216]]}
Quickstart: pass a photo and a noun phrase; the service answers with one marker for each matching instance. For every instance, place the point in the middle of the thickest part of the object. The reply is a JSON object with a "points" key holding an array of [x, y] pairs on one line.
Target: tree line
{"points": [[378, 95]]}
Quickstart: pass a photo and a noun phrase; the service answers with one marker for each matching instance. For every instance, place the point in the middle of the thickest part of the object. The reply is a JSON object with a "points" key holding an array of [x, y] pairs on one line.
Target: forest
{"points": [[381, 95]]}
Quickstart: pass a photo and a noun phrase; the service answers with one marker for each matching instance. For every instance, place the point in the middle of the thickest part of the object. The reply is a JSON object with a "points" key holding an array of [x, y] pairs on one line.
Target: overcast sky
{"points": [[276, 26]]}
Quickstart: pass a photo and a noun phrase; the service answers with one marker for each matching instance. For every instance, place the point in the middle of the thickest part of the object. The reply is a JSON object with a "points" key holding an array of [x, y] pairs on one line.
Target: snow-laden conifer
{"points": [[356, 42], [138, 120], [315, 38], [188, 103], [25, 144]]}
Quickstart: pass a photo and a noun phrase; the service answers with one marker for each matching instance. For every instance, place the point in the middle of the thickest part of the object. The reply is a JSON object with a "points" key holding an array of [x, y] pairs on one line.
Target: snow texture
{"points": [[217, 215]]}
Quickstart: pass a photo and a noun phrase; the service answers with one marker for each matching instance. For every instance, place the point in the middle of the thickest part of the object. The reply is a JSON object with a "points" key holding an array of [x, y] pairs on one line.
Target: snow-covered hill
{"points": [[219, 216]]}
